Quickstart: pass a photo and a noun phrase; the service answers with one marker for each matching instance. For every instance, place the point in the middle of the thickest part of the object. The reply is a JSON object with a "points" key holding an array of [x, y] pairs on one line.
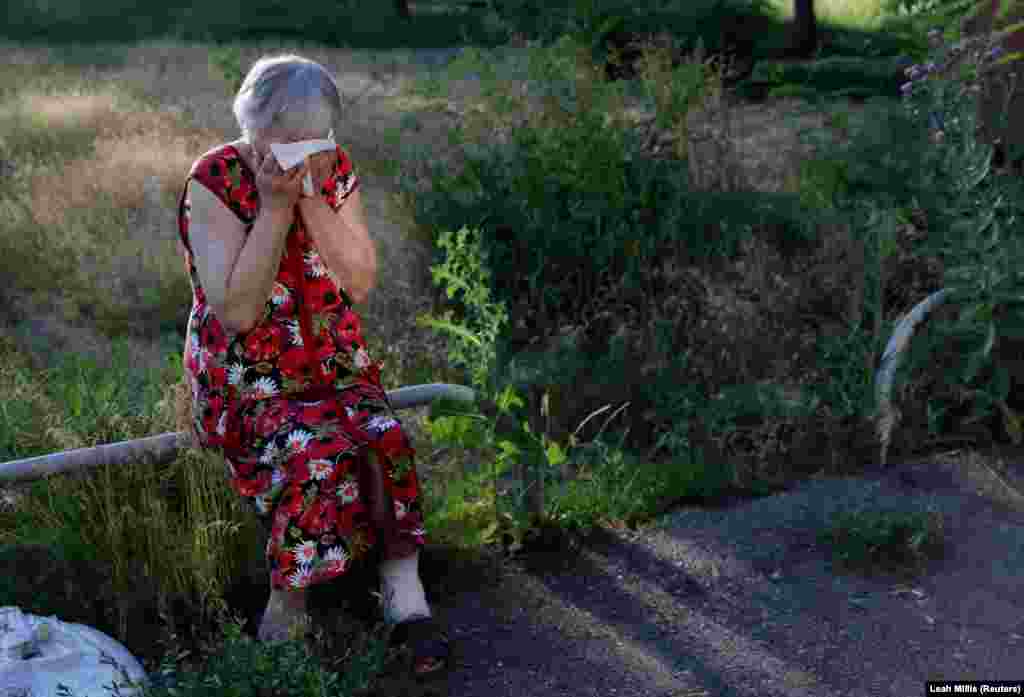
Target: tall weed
{"points": [[978, 234], [466, 276]]}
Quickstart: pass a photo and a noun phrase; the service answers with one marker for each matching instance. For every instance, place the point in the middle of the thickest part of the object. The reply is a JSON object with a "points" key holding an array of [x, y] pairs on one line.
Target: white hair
{"points": [[288, 95]]}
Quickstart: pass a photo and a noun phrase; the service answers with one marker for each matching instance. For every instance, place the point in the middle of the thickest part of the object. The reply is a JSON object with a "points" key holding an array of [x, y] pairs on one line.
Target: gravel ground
{"points": [[744, 601]]}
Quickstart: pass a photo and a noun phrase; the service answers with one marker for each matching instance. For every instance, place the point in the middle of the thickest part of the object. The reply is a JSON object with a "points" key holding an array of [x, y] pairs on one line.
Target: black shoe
{"points": [[428, 643]]}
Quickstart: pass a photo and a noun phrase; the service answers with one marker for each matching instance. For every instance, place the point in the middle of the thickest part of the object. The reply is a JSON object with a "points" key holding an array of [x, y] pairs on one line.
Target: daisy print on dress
{"points": [[295, 332], [345, 186], [315, 263], [279, 294], [380, 424], [200, 354], [298, 441], [319, 469], [264, 388], [262, 504], [270, 455], [301, 577], [336, 560], [348, 491], [277, 484], [361, 359], [235, 374], [305, 552]]}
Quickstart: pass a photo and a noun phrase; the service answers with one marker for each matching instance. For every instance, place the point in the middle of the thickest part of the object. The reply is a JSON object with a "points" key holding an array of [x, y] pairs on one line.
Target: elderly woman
{"points": [[281, 382]]}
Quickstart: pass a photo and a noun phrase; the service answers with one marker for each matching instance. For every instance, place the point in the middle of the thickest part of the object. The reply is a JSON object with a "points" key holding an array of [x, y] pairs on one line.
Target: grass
{"points": [[83, 151], [884, 540]]}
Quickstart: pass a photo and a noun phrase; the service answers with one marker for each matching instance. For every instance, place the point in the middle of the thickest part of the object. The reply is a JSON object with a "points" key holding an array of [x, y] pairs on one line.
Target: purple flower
{"points": [[906, 87], [994, 53]]}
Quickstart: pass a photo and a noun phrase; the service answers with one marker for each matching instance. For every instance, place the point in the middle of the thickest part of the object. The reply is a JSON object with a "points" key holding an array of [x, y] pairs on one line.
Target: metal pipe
{"points": [[894, 350], [163, 448]]}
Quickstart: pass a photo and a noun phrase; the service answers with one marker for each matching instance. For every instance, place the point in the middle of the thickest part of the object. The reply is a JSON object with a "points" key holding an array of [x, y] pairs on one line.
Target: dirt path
{"points": [[741, 601]]}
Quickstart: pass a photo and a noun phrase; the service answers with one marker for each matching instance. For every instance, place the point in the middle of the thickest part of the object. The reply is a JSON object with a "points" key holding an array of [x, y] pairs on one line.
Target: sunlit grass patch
{"points": [[86, 158]]}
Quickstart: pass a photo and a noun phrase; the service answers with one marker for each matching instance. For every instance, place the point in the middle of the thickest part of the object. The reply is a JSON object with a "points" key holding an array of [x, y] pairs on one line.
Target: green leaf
{"points": [[972, 182], [1004, 10], [983, 403], [975, 361], [555, 454], [488, 533], [507, 399], [1001, 382], [1014, 425], [508, 448], [463, 431], [888, 248], [975, 312], [1010, 57], [1007, 298], [450, 327], [454, 282], [990, 340], [935, 414]]}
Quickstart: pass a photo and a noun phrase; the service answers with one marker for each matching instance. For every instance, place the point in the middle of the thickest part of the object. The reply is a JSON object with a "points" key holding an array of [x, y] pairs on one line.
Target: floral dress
{"points": [[295, 405]]}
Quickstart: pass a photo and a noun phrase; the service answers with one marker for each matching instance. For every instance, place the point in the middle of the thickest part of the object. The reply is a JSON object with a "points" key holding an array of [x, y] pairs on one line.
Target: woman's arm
{"points": [[344, 242], [237, 272]]}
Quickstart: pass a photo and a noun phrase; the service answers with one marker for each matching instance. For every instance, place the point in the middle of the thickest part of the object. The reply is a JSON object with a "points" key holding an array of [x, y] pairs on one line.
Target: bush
{"points": [[568, 203], [882, 76]]}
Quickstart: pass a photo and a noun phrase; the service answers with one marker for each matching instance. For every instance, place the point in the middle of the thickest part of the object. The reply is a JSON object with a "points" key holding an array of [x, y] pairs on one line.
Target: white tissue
{"points": [[291, 154]]}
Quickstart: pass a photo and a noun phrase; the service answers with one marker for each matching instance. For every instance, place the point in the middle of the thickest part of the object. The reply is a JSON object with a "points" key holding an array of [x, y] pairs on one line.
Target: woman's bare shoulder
{"points": [[241, 146], [245, 150]]}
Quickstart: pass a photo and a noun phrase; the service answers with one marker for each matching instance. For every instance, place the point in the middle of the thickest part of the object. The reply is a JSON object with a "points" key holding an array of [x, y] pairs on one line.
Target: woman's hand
{"points": [[321, 168], [279, 189]]}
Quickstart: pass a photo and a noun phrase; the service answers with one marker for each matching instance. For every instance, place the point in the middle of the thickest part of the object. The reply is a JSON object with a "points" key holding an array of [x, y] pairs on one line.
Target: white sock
{"points": [[402, 590]]}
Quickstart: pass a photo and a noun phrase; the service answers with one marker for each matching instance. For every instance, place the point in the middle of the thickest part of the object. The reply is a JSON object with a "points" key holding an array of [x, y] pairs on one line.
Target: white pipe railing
{"points": [[888, 415], [163, 448]]}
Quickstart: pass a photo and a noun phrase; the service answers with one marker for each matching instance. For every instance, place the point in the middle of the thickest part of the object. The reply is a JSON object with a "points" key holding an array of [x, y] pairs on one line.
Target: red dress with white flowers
{"points": [[295, 405]]}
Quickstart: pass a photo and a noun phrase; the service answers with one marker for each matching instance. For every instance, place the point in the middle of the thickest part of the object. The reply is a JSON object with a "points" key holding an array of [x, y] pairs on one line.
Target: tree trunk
{"points": [[805, 29], [402, 9]]}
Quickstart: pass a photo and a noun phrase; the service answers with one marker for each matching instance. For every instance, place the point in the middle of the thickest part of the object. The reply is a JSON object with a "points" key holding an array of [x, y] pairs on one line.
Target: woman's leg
{"points": [[402, 595], [402, 590], [401, 587], [284, 609]]}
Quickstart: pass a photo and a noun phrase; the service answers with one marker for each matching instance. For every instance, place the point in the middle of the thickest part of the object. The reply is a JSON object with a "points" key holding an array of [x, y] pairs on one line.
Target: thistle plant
{"points": [[932, 88], [981, 242]]}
